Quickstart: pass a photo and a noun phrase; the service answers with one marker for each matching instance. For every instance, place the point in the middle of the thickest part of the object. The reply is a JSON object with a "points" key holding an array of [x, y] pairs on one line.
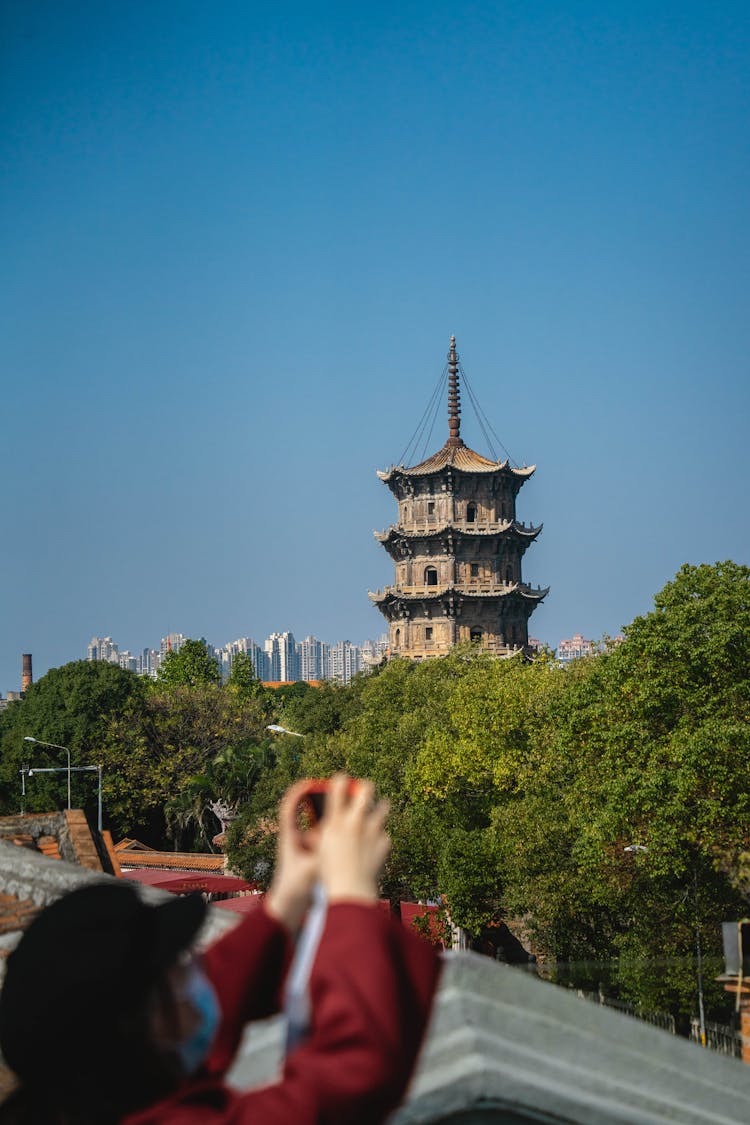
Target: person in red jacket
{"points": [[106, 1017]]}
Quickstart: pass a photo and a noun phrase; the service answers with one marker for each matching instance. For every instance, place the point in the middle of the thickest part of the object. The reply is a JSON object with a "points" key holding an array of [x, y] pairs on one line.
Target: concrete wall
{"points": [[504, 1046]]}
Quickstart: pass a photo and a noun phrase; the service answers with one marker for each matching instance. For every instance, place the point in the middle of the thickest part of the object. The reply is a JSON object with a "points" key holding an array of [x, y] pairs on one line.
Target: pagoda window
{"points": [[508, 575], [397, 638], [471, 513], [430, 576], [428, 632], [476, 635], [475, 570], [430, 507]]}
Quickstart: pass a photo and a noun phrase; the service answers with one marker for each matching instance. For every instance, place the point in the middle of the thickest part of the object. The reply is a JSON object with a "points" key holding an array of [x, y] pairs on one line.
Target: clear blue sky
{"points": [[236, 239]]}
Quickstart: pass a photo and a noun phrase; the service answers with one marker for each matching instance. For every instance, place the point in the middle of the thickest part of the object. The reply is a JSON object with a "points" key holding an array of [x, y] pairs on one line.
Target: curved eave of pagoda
{"points": [[392, 594], [394, 534], [434, 467]]}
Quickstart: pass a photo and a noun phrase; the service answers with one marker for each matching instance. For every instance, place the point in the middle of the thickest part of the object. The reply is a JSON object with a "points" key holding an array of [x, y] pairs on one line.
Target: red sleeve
{"points": [[246, 968], [371, 989]]}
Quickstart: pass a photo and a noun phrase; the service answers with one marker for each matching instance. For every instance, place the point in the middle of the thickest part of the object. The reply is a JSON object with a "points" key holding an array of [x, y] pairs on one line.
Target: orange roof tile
{"points": [[130, 844], [457, 455], [49, 846], [288, 683], [173, 861], [15, 913]]}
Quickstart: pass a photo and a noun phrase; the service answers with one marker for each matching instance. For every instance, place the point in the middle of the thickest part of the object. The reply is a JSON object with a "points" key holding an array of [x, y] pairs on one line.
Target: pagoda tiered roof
{"points": [[489, 609], [483, 592], [464, 530], [456, 455]]}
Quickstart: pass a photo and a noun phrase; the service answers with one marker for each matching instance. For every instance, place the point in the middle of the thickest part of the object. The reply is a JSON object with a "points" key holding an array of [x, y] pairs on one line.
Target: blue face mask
{"points": [[199, 992]]}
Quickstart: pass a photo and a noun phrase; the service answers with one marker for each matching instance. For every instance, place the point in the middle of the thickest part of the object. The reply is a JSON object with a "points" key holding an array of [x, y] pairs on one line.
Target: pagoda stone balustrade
{"points": [[432, 523], [470, 586]]}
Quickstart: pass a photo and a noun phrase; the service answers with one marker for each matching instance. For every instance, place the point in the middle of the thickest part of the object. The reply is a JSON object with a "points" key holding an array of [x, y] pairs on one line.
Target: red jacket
{"points": [[371, 989]]}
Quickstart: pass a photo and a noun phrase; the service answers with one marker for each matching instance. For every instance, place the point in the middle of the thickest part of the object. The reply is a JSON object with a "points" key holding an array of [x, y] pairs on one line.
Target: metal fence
{"points": [[663, 1020], [719, 1037]]}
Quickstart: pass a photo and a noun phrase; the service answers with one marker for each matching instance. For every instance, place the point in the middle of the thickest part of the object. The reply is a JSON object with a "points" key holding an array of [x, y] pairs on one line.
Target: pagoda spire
{"points": [[454, 397]]}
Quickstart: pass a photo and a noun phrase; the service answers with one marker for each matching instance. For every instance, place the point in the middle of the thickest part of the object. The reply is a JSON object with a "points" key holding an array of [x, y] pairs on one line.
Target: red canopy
{"points": [[243, 905], [153, 877], [189, 882], [410, 911]]}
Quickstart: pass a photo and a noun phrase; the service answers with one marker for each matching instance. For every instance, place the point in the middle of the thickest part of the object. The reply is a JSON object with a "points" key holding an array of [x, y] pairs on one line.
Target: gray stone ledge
{"points": [[504, 1046]]}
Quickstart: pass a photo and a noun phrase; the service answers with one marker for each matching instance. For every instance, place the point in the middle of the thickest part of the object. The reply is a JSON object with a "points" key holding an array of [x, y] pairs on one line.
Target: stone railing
{"points": [[470, 586]]}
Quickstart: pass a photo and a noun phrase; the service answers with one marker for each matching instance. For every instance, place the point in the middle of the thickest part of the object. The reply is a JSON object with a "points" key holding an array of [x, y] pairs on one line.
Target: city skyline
{"points": [[280, 658], [205, 365], [316, 658]]}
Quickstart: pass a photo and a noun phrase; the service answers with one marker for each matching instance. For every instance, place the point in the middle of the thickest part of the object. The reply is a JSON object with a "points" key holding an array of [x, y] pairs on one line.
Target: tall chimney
{"points": [[27, 676]]}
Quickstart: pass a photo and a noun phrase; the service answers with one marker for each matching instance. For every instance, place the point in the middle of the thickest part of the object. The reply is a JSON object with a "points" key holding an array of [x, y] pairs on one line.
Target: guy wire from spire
{"points": [[435, 411], [431, 408], [480, 414]]}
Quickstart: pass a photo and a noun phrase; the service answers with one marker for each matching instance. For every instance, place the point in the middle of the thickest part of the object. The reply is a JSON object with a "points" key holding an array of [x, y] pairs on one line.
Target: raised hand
{"points": [[353, 844]]}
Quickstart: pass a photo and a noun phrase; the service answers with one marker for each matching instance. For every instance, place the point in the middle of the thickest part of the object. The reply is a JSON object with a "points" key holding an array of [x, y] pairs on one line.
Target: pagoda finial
{"points": [[454, 396]]}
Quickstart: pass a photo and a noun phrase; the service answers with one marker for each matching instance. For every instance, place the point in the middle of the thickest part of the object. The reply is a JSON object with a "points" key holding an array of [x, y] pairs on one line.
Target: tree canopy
{"points": [[518, 790], [189, 666]]}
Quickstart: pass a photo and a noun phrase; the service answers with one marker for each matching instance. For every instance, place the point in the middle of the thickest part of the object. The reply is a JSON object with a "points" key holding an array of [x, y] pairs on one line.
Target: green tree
{"points": [[71, 706], [189, 666], [176, 745], [648, 748], [242, 678]]}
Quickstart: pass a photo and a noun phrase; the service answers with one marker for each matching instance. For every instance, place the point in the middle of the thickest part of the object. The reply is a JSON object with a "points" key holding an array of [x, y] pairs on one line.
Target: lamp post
{"points": [[69, 769], [53, 746], [276, 729]]}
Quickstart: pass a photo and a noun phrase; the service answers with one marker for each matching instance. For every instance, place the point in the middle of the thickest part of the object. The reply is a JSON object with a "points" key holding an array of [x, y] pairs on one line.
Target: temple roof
{"points": [[469, 531], [436, 593], [456, 455]]}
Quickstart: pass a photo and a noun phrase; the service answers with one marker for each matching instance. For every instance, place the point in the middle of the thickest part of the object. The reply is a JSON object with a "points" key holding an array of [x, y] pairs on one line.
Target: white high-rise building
{"points": [[173, 642], [127, 661], [247, 645], [314, 659], [281, 650], [373, 652], [345, 661], [103, 648], [148, 662]]}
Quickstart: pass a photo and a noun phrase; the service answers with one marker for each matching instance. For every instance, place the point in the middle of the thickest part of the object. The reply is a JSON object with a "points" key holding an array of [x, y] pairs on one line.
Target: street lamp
{"points": [[27, 772], [283, 730], [53, 746]]}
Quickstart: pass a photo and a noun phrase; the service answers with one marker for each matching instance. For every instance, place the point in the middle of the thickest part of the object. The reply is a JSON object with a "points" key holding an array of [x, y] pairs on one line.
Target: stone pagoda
{"points": [[457, 549]]}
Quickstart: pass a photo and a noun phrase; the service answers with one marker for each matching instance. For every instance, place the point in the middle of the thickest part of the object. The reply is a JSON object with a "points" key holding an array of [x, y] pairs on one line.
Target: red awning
{"points": [[189, 882], [203, 884], [244, 905], [411, 911], [153, 877]]}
